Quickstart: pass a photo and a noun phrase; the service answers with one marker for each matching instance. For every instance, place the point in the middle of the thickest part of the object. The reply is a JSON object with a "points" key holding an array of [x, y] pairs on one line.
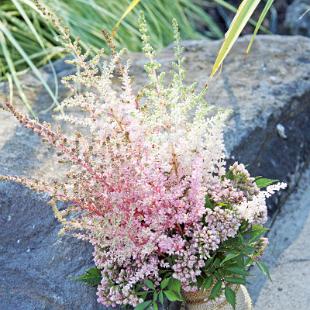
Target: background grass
{"points": [[24, 31], [28, 41]]}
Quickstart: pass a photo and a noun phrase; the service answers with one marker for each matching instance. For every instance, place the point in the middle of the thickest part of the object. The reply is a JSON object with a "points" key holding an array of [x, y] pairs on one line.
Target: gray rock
{"points": [[37, 267], [297, 18], [268, 87], [287, 256]]}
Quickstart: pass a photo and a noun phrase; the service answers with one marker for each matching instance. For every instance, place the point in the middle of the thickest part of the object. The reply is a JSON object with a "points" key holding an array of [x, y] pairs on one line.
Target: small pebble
{"points": [[281, 131]]}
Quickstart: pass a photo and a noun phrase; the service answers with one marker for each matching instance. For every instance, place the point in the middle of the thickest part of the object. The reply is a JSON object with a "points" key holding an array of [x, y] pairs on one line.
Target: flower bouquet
{"points": [[148, 186]]}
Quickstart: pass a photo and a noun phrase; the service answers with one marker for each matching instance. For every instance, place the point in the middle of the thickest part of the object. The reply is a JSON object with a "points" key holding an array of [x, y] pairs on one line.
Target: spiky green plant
{"points": [[242, 17], [28, 41]]}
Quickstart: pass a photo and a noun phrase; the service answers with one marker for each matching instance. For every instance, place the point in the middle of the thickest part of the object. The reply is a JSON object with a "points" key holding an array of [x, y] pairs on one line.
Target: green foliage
{"points": [[263, 182], [216, 290], [207, 283], [169, 288], [31, 39], [91, 277], [174, 286], [172, 296], [149, 284], [164, 283], [256, 232], [259, 22], [208, 203], [228, 257], [28, 40], [263, 268], [230, 296], [144, 305], [242, 17], [227, 267]]}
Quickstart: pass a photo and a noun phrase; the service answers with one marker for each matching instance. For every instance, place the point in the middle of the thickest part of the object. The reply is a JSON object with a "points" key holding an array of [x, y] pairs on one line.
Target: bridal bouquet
{"points": [[148, 186]]}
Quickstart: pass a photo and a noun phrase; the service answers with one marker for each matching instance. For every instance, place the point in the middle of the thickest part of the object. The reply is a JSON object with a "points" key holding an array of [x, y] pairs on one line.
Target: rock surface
{"points": [[297, 18], [38, 268], [267, 89], [287, 256]]}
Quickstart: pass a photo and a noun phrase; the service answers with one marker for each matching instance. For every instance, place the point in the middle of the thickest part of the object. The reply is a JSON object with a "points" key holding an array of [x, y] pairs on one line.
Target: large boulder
{"points": [[268, 92]]}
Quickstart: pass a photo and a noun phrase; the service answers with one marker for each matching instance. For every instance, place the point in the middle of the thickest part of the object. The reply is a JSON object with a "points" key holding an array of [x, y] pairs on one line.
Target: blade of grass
{"points": [[210, 23], [131, 6], [259, 22], [13, 74], [231, 8], [241, 18], [21, 51], [42, 56], [40, 41], [11, 90]]}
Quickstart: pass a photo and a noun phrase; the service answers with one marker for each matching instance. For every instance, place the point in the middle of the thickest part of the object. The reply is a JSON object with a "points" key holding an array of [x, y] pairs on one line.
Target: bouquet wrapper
{"points": [[199, 300]]}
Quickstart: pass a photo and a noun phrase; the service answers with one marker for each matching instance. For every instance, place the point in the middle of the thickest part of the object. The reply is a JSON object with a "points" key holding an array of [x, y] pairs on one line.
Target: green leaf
{"points": [[142, 294], [143, 305], [207, 283], [248, 250], [24, 55], [232, 9], [155, 296], [173, 296], [209, 262], [238, 270], [164, 283], [200, 280], [155, 306], [32, 28], [91, 277], [216, 289], [230, 296], [258, 227], [235, 280], [217, 262], [241, 18], [208, 203], [224, 205], [161, 297], [256, 232], [131, 6], [13, 76], [248, 261], [229, 257], [174, 285], [229, 175], [264, 182], [149, 284], [259, 22], [264, 269]]}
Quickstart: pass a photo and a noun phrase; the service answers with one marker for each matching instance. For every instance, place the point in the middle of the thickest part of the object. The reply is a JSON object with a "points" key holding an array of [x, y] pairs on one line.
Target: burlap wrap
{"points": [[200, 300]]}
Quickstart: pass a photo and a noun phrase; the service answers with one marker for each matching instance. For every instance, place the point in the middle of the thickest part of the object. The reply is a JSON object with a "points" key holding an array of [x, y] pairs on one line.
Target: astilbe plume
{"points": [[139, 169]]}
